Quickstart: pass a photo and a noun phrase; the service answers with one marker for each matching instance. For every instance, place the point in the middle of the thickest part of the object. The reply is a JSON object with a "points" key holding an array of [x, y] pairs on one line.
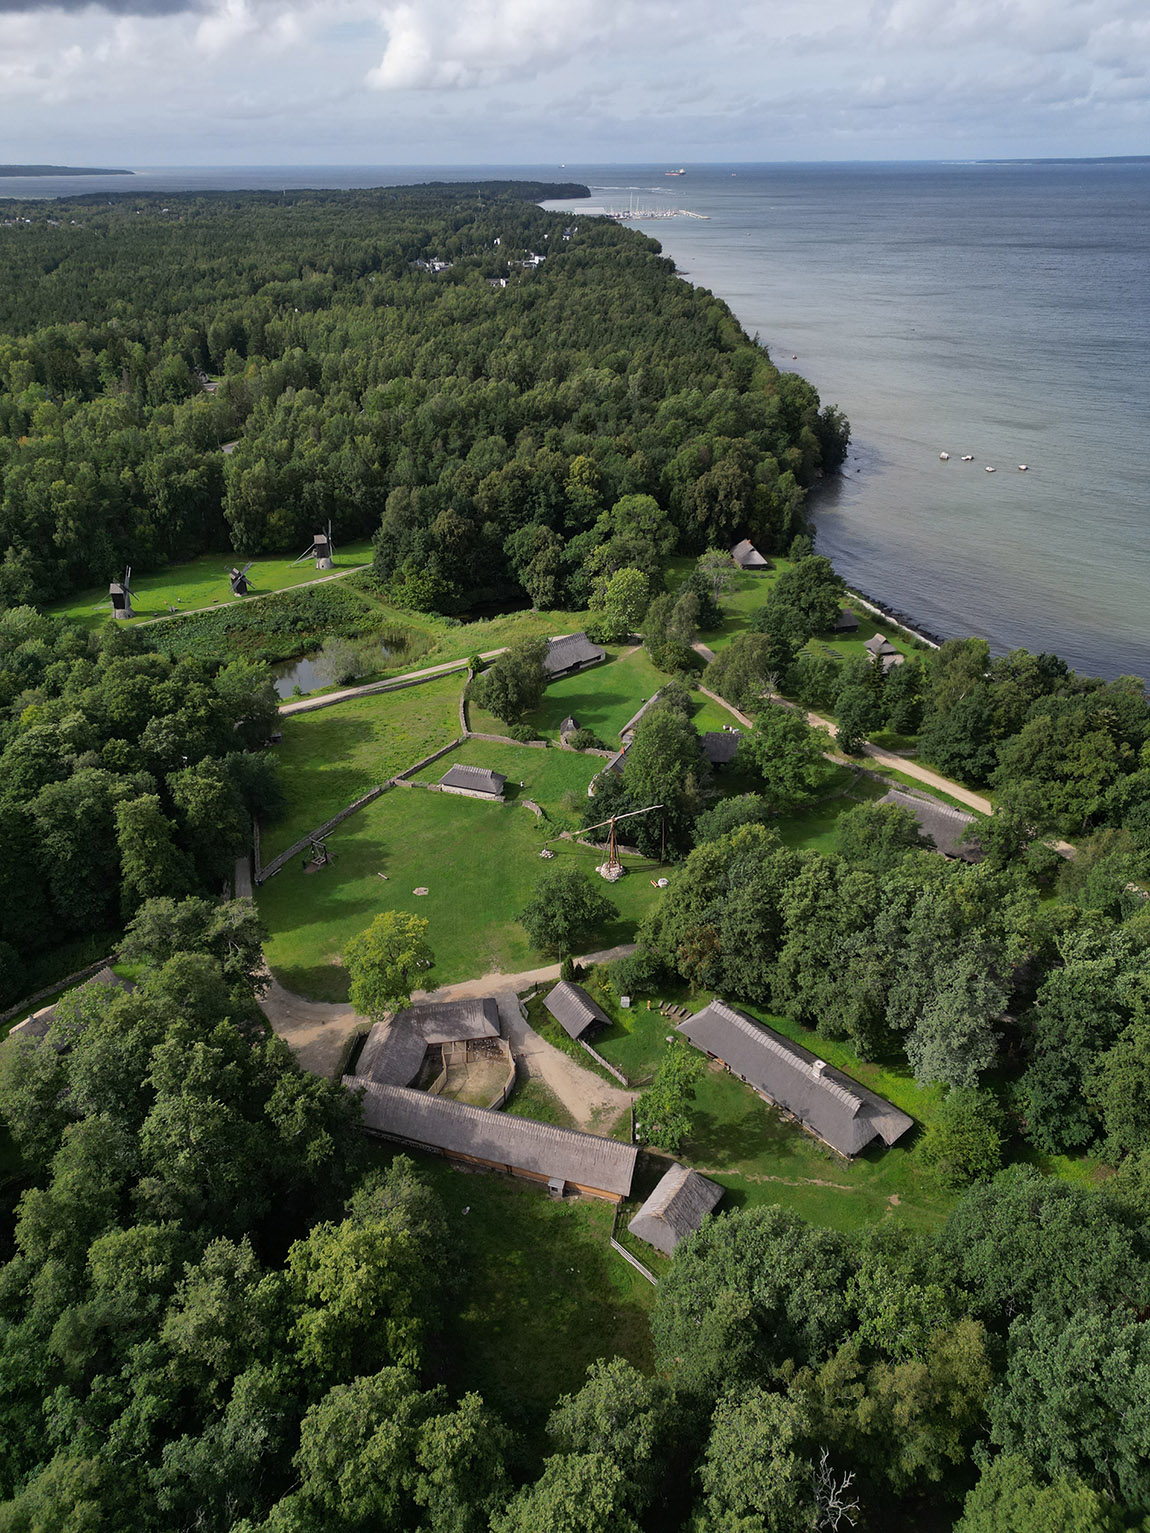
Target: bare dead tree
{"points": [[834, 1505]]}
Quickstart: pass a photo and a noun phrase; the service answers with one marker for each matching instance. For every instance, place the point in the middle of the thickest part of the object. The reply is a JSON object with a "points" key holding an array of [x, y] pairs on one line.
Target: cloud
{"points": [[116, 7]]}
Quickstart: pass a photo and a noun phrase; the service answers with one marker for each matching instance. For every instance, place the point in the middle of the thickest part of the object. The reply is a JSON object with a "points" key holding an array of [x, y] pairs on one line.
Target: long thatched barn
{"points": [[557, 1157]]}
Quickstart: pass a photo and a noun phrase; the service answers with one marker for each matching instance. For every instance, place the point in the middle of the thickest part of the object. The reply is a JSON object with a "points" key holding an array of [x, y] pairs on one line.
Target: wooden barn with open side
{"points": [[840, 1111], [576, 1013], [558, 1158], [573, 652]]}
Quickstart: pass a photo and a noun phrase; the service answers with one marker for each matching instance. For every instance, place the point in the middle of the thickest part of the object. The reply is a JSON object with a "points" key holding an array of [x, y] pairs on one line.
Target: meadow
{"points": [[204, 582], [479, 862]]}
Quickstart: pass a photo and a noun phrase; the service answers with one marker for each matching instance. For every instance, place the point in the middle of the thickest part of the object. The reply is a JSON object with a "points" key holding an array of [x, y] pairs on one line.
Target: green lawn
{"points": [[329, 757], [534, 1099], [556, 780], [204, 582], [603, 699], [541, 1297], [480, 863]]}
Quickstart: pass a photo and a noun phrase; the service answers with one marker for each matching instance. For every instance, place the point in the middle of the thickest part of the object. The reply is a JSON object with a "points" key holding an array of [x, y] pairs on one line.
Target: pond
{"points": [[310, 674]]}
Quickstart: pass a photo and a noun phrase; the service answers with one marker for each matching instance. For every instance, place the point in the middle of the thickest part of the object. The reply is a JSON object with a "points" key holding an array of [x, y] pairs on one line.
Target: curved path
{"points": [[318, 1032]]}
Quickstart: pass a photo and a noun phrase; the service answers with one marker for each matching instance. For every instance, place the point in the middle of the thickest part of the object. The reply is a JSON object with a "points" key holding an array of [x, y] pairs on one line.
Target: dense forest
{"points": [[395, 362], [220, 1310]]}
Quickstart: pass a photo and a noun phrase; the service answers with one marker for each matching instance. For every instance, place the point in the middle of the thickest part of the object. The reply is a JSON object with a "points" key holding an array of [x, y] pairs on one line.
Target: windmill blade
{"points": [[307, 554], [128, 578], [247, 567]]}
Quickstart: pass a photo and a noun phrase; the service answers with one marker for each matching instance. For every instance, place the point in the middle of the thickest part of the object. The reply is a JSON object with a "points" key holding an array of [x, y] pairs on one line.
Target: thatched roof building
{"points": [[604, 1168], [36, 1026], [573, 652], [878, 645], [394, 1051], [748, 557], [830, 1105], [847, 621], [574, 1010], [720, 745], [945, 826], [476, 782], [675, 1209]]}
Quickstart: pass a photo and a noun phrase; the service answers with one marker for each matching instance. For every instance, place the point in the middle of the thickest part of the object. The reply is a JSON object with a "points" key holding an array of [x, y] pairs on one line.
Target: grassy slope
{"points": [[204, 582], [480, 862], [543, 1295], [331, 756]]}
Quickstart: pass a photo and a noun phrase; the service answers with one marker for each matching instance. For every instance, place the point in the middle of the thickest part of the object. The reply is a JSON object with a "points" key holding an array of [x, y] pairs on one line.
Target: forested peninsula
{"points": [[222, 1308]]}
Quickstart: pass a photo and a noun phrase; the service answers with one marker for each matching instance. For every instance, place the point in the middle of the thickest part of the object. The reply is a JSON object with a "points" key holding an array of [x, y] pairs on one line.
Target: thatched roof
{"points": [[847, 621], [394, 1050], [571, 652], [720, 745], [878, 644], [675, 1209], [569, 725], [474, 780], [496, 1138], [36, 1026], [748, 557], [833, 1106], [945, 826], [574, 1010]]}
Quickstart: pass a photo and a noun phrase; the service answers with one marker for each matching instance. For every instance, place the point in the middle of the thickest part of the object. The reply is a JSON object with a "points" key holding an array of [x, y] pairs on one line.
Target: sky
{"points": [[472, 82]]}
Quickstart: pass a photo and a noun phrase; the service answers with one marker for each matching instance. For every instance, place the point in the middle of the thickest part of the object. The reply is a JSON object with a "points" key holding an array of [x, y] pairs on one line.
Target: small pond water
{"points": [[308, 675]]}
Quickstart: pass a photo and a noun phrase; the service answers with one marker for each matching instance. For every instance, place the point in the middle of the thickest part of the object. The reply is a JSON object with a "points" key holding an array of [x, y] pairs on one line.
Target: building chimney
{"points": [[819, 1066]]}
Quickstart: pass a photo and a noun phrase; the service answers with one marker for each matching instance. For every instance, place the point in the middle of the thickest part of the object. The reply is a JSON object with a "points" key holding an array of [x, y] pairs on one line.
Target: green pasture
{"points": [[603, 699], [480, 863], [203, 582], [556, 780], [542, 1294], [332, 755]]}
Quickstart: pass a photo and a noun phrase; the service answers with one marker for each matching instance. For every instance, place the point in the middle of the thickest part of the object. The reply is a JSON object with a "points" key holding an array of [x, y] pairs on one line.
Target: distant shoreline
{"points": [[60, 170]]}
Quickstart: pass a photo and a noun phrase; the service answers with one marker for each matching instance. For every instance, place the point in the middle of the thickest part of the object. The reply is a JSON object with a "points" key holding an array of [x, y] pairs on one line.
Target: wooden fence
{"points": [[277, 863]]}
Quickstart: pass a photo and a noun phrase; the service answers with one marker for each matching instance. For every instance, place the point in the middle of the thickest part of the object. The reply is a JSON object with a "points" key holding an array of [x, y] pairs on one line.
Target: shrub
{"points": [[585, 740], [964, 1143]]}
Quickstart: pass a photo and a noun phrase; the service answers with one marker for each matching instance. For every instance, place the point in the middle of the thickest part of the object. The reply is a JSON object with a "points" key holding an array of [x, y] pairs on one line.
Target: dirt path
{"points": [[317, 1033]]}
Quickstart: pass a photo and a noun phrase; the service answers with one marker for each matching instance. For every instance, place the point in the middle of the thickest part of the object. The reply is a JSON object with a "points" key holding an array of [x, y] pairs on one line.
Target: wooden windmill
{"points": [[322, 550], [241, 585], [120, 592]]}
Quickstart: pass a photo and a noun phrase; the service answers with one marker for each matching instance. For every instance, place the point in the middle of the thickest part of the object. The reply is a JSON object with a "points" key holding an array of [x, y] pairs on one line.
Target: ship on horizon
{"points": [[679, 172]]}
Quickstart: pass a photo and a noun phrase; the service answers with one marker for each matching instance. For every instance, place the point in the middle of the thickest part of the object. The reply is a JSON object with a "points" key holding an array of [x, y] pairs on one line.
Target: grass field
{"points": [[542, 1295], [329, 757], [203, 582], [480, 863], [603, 699]]}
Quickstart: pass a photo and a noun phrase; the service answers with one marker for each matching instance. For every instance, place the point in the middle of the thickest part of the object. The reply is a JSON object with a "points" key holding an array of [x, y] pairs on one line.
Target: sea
{"points": [[996, 311]]}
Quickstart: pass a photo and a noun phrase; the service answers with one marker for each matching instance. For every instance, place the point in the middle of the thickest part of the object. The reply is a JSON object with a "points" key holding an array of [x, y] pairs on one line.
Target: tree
{"points": [[514, 684], [749, 665], [812, 590], [623, 1414], [1073, 1401], [564, 909], [150, 862], [626, 597], [1011, 1498], [955, 1040], [963, 1141], [576, 1493], [663, 1112], [664, 766], [877, 836], [856, 714], [786, 755], [716, 566], [384, 961], [1116, 1089], [756, 1466]]}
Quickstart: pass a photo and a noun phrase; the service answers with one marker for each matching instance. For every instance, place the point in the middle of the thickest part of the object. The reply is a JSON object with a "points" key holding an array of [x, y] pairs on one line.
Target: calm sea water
{"points": [[997, 310]]}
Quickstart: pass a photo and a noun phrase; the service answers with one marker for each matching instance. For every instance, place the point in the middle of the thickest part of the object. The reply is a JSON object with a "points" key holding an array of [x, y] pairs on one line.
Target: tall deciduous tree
{"points": [[564, 909], [385, 961]]}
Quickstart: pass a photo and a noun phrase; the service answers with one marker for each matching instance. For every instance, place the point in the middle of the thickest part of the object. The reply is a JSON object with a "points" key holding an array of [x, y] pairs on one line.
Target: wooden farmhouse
{"points": [[574, 1010], [473, 782], [573, 652], [748, 557], [847, 621], [719, 746], [558, 1158], [675, 1209], [394, 1052], [830, 1105], [883, 652], [945, 826]]}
